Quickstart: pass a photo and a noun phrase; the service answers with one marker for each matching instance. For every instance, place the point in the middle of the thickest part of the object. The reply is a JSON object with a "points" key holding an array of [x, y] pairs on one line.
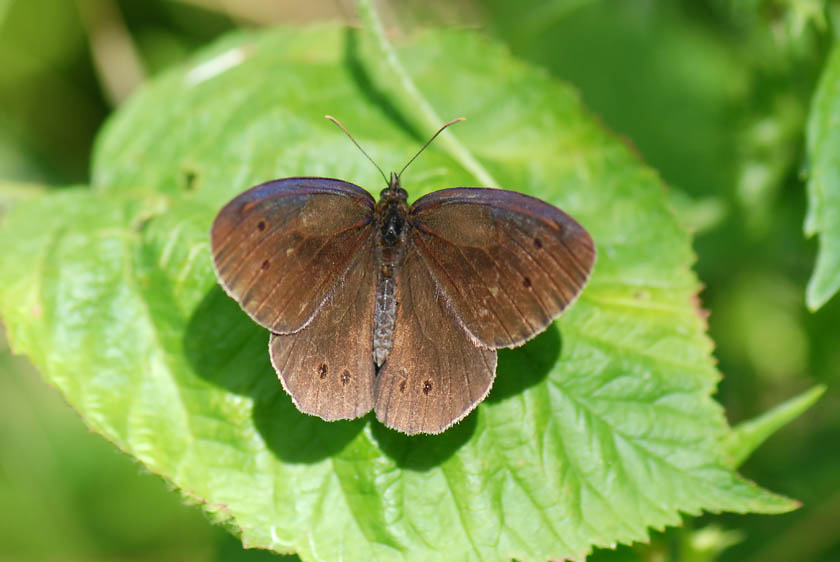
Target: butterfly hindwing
{"points": [[327, 367], [434, 374]]}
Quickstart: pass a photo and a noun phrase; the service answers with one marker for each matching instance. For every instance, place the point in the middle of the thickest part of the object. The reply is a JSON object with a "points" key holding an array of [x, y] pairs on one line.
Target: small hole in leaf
{"points": [[189, 179]]}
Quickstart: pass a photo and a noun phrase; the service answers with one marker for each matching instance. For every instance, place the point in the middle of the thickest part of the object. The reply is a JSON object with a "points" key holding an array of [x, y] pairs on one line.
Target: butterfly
{"points": [[394, 307]]}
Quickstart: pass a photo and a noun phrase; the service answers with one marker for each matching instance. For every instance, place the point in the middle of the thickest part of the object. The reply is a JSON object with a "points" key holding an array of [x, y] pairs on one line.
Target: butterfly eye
{"points": [[382, 193]]}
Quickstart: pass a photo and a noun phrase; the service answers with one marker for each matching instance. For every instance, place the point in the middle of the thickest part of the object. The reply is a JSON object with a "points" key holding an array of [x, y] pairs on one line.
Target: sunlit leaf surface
{"points": [[595, 431]]}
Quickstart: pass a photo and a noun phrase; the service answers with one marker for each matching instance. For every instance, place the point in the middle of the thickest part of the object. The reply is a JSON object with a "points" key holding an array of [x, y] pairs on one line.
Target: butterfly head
{"points": [[394, 191]]}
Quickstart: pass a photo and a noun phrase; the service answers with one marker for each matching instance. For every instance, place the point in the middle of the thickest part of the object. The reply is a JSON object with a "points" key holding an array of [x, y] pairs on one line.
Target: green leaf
{"points": [[13, 191], [595, 431], [823, 218], [748, 435], [793, 17]]}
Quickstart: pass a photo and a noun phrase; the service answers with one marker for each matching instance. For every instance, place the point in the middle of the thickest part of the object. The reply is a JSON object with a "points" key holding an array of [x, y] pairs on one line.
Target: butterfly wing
{"points": [[280, 248], [508, 263], [327, 367], [434, 374]]}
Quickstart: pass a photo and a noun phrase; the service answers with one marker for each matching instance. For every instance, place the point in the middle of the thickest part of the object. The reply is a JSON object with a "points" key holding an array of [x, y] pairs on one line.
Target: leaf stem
{"points": [[406, 87]]}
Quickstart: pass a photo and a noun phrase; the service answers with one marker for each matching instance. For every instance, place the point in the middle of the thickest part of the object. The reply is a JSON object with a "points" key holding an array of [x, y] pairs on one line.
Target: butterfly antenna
{"points": [[428, 142], [346, 132]]}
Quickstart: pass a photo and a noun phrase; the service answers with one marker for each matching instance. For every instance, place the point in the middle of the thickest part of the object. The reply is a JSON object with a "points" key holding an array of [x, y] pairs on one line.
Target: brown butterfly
{"points": [[394, 307]]}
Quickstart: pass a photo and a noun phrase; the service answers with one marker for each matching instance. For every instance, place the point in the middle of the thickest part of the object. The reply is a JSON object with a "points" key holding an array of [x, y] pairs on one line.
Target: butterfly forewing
{"points": [[280, 248], [507, 263], [434, 374], [327, 367]]}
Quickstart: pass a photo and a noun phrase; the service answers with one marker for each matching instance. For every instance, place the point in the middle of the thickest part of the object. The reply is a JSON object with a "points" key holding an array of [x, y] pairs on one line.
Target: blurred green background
{"points": [[714, 94]]}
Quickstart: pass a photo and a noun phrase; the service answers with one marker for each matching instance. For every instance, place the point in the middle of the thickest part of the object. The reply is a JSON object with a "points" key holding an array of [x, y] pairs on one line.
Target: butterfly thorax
{"points": [[390, 216]]}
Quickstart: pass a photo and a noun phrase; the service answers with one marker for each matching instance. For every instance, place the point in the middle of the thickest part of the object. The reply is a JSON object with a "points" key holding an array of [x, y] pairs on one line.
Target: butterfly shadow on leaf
{"points": [[227, 349], [423, 452], [526, 366], [518, 369]]}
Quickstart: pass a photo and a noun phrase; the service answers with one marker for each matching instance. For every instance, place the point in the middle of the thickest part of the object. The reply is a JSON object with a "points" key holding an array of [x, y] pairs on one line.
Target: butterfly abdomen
{"points": [[384, 316], [391, 213]]}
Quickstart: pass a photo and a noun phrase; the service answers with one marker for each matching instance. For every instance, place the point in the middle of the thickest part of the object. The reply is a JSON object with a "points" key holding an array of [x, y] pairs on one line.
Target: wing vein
{"points": [[507, 295], [535, 261], [301, 274], [455, 285]]}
